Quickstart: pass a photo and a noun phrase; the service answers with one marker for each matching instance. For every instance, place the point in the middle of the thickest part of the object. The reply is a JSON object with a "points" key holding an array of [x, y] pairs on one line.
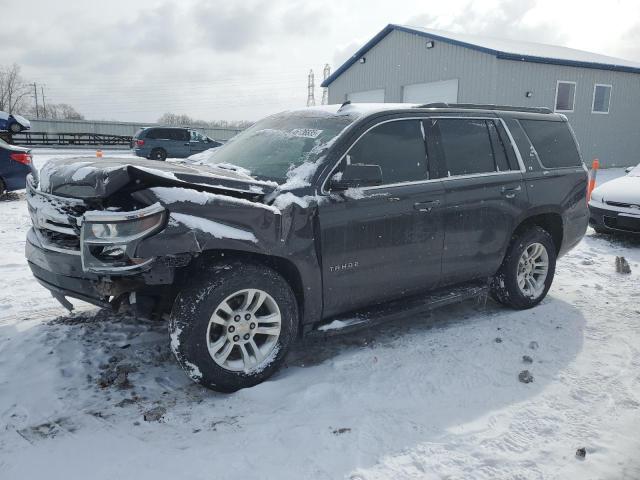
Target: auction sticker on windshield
{"points": [[306, 132]]}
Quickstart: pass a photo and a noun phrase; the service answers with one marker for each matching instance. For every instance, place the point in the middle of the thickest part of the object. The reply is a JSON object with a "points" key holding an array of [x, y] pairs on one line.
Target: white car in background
{"points": [[615, 205]]}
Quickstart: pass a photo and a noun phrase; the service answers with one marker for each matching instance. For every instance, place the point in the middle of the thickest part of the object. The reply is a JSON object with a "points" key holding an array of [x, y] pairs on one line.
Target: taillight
{"points": [[24, 158], [139, 143]]}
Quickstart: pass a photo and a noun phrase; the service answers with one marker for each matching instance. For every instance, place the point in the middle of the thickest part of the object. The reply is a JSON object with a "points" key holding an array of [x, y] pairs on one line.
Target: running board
{"points": [[399, 309]]}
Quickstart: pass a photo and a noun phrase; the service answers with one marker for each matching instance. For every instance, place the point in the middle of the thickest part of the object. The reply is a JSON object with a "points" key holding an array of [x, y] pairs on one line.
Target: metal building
{"points": [[600, 95]]}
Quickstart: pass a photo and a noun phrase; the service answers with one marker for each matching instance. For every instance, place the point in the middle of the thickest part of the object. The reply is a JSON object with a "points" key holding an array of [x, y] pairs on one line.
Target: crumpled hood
{"points": [[91, 178], [624, 190]]}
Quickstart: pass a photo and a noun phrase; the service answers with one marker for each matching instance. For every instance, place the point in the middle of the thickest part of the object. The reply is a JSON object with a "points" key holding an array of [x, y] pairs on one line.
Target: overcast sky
{"points": [[241, 60]]}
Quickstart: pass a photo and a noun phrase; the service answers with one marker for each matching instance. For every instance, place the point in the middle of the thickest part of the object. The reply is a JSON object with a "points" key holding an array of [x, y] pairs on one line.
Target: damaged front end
{"points": [[78, 252], [115, 246]]}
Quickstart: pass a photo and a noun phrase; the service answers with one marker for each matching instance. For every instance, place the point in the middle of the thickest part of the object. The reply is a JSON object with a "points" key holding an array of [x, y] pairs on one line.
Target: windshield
{"points": [[273, 146]]}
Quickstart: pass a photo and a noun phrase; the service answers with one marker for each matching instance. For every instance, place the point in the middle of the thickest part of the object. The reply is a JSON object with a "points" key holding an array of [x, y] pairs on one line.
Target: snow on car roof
{"points": [[502, 48], [355, 110]]}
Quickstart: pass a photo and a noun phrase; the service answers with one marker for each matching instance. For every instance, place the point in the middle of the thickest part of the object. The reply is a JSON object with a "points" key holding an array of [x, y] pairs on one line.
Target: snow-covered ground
{"points": [[427, 398]]}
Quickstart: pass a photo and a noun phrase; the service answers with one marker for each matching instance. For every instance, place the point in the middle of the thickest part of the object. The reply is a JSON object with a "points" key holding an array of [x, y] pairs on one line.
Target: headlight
{"points": [[113, 227]]}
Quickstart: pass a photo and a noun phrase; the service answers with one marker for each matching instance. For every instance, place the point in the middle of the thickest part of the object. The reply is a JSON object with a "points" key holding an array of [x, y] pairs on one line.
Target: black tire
{"points": [[15, 128], [3, 188], [601, 230], [192, 311], [504, 286], [158, 154]]}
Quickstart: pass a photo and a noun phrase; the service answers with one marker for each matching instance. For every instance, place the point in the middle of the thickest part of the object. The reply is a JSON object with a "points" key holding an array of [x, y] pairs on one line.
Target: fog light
{"points": [[113, 253]]}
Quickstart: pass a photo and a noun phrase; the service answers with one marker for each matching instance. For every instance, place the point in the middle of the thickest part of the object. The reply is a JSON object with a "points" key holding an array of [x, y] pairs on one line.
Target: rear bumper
{"points": [[142, 152], [614, 220], [16, 177]]}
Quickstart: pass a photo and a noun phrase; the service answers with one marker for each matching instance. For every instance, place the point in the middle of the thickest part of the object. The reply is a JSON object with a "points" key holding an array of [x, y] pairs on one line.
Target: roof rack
{"points": [[479, 106]]}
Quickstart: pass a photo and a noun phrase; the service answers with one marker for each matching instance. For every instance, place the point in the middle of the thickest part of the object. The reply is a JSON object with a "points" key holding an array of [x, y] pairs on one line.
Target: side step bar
{"points": [[399, 309]]}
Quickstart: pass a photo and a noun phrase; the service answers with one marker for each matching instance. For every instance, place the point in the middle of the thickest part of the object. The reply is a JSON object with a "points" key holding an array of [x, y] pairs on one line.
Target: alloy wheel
{"points": [[243, 331], [533, 268]]}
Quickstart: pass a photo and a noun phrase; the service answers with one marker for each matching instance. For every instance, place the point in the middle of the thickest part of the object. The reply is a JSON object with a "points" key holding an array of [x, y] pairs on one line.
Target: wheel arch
{"points": [[551, 222], [289, 271]]}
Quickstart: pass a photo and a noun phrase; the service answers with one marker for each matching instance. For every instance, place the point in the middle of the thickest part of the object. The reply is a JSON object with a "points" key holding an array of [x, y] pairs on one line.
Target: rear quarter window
{"points": [[153, 134], [553, 143]]}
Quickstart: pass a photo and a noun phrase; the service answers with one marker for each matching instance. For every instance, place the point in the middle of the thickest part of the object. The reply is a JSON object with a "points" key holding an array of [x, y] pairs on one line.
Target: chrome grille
{"points": [[56, 220]]}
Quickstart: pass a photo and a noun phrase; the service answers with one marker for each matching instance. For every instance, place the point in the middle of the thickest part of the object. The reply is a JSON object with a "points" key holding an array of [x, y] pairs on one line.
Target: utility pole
{"points": [[325, 91], [35, 93], [311, 100], [44, 105]]}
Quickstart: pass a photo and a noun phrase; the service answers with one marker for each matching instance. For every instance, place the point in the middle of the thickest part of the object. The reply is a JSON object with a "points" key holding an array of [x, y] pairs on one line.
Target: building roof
{"points": [[503, 49]]}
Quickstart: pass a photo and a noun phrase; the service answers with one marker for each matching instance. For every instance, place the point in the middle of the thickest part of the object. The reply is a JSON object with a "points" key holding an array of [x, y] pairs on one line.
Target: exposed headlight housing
{"points": [[109, 239]]}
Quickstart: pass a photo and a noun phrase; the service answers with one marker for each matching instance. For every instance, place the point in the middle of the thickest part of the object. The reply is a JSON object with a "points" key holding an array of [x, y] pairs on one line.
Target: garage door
{"points": [[368, 96], [444, 91]]}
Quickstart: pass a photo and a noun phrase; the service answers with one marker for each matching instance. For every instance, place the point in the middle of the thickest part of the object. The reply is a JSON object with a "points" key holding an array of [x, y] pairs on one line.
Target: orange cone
{"points": [[592, 177]]}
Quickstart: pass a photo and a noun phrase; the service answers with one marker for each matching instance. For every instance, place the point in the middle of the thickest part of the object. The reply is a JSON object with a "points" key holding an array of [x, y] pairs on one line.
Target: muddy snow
{"points": [[97, 395]]}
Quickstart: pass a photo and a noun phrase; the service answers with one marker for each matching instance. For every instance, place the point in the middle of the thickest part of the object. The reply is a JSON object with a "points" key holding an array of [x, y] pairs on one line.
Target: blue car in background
{"points": [[13, 123], [15, 165]]}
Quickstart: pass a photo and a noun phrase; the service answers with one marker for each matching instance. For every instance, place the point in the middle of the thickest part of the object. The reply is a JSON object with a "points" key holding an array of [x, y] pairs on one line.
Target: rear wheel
{"points": [[3, 188], [527, 271], [233, 328], [158, 154], [15, 128]]}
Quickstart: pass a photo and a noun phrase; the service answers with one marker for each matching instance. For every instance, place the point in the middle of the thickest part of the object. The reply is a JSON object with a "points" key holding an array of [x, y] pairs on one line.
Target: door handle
{"points": [[426, 206], [510, 192], [187, 144]]}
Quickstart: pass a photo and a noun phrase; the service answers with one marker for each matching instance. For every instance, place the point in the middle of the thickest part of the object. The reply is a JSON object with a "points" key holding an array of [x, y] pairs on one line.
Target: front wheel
{"points": [[233, 328], [15, 128], [527, 271]]}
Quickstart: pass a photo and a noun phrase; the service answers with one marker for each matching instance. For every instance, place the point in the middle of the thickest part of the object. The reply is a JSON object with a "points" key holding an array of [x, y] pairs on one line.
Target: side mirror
{"points": [[356, 175], [628, 169]]}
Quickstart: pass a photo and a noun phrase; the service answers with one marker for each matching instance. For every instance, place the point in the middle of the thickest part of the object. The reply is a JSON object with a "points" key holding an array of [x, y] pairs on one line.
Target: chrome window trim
{"points": [[324, 191]]}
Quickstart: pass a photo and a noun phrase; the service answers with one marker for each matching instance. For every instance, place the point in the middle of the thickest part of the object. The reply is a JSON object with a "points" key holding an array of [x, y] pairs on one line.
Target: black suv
{"points": [[313, 220]]}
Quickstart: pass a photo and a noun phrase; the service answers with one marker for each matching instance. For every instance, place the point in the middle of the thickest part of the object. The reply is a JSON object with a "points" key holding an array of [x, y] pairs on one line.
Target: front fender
{"points": [[201, 221]]}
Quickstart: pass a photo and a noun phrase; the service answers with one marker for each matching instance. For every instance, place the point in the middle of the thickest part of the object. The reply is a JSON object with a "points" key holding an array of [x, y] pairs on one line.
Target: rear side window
{"points": [[397, 147], [553, 143], [159, 133], [179, 134], [466, 146]]}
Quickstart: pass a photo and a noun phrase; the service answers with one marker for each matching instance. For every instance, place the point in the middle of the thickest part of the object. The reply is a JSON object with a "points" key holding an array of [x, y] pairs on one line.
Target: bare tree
{"points": [[54, 111], [65, 111], [175, 119], [13, 89]]}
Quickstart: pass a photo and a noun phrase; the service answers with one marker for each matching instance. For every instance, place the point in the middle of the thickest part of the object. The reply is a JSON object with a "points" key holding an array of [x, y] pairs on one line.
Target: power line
{"points": [[325, 91], [44, 105], [311, 101], [35, 94]]}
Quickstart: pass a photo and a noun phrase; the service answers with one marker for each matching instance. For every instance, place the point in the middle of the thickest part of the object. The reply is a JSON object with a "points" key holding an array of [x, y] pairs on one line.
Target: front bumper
{"points": [[605, 217], [62, 273]]}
